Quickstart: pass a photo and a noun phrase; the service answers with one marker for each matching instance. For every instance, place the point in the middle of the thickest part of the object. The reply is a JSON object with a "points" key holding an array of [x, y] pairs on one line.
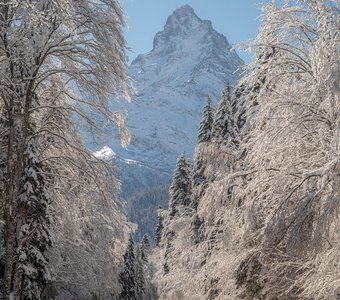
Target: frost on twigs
{"points": [[60, 61], [270, 206]]}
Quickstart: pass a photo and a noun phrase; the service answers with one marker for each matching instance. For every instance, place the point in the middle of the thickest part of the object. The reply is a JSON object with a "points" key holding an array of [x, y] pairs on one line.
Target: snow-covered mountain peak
{"points": [[184, 25], [189, 61], [182, 18]]}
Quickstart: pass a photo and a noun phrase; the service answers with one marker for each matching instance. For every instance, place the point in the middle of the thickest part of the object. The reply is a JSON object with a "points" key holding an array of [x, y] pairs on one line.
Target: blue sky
{"points": [[236, 19]]}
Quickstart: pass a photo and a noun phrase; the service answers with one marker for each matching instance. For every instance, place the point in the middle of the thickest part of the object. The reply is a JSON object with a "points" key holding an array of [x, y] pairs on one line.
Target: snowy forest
{"points": [[253, 214]]}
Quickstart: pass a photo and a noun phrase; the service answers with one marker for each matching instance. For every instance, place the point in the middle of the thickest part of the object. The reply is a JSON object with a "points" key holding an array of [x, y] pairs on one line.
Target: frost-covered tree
{"points": [[270, 221], [292, 148], [34, 228], [159, 228], [89, 230], [140, 282], [199, 164], [238, 107], [145, 247], [51, 49], [133, 278], [128, 276], [204, 129], [223, 127], [199, 177], [180, 189]]}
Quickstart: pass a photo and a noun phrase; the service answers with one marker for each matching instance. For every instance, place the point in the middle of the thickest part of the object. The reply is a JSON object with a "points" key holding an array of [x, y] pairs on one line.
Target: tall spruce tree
{"points": [[204, 136], [159, 228], [180, 189], [140, 282], [133, 279], [204, 129], [34, 232], [145, 247], [223, 127], [128, 277], [199, 179]]}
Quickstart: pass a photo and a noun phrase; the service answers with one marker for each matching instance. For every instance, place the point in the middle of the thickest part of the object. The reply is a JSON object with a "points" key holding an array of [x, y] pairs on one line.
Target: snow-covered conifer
{"points": [[128, 276], [199, 178], [180, 189], [145, 247], [223, 127], [204, 130], [159, 228], [34, 232], [140, 280], [204, 136], [238, 107]]}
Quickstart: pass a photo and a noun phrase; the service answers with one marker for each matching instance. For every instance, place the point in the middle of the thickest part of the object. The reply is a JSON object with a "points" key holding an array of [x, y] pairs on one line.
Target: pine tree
{"points": [[204, 136], [180, 189], [223, 127], [159, 229], [128, 277], [140, 284], [204, 130], [34, 231], [199, 179], [145, 247]]}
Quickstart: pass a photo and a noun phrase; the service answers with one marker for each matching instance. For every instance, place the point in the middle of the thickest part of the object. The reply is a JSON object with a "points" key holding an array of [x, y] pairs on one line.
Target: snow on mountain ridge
{"points": [[188, 62]]}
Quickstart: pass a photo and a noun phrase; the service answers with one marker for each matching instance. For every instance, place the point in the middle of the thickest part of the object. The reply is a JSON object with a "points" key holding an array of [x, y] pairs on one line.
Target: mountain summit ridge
{"points": [[189, 61], [181, 21]]}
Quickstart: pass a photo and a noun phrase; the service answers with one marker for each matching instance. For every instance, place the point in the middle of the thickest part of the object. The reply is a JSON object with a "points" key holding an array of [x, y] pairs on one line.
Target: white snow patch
{"points": [[106, 153], [130, 161]]}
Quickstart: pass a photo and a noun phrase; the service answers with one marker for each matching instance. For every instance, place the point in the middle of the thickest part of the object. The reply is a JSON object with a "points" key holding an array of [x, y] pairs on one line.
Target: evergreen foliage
{"points": [[34, 233], [132, 279], [145, 247], [238, 107], [159, 228], [204, 130], [180, 189], [199, 178], [204, 136], [140, 283], [223, 127], [128, 277]]}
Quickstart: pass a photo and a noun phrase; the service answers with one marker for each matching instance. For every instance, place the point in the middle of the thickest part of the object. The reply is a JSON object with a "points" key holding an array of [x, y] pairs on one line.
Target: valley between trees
{"points": [[253, 215]]}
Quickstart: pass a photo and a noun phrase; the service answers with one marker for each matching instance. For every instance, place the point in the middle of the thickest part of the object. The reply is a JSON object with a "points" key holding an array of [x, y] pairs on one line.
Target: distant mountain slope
{"points": [[189, 61]]}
